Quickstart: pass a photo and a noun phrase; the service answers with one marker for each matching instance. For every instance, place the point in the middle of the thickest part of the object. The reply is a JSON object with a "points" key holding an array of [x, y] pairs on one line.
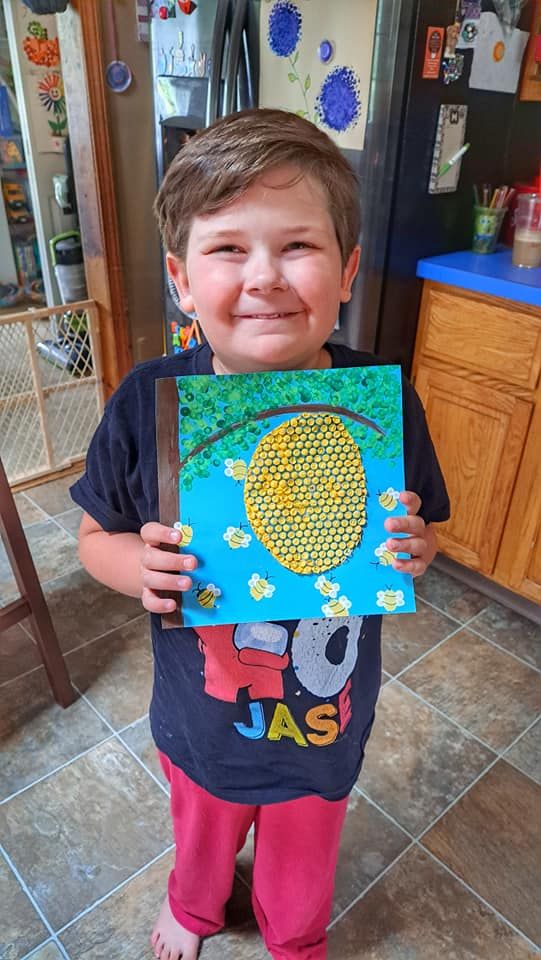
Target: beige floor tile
{"points": [[28, 511], [507, 628], [407, 636], [370, 842], [53, 550], [20, 926], [71, 520], [526, 754], [53, 497], [125, 920], [139, 739], [37, 734], [49, 952], [416, 761], [79, 833], [492, 839], [419, 912], [450, 595], [18, 653], [490, 693], [242, 944], [82, 609], [115, 672]]}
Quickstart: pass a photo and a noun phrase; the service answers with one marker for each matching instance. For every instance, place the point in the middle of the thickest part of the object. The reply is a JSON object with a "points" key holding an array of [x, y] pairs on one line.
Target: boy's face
{"points": [[265, 276]]}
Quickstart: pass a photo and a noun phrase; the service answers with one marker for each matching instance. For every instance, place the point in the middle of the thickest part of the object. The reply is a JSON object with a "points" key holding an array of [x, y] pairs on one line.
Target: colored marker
{"points": [[452, 160]]}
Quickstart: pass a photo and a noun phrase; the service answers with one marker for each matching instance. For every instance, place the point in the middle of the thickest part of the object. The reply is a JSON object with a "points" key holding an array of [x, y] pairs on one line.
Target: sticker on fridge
{"points": [[497, 57]]}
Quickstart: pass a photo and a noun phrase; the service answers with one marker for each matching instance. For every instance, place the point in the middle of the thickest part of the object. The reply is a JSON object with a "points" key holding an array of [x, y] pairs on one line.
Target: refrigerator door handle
{"points": [[216, 54], [237, 30], [249, 71]]}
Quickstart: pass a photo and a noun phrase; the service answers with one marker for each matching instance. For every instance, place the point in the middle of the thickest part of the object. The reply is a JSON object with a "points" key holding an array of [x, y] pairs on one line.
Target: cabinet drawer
{"points": [[485, 334]]}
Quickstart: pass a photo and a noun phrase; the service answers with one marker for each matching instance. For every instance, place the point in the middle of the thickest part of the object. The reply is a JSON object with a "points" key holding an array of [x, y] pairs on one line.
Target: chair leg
{"points": [[21, 561], [53, 659]]}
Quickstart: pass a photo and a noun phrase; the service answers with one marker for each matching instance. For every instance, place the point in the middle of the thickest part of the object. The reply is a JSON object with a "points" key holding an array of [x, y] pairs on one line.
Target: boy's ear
{"points": [[177, 271], [349, 273]]}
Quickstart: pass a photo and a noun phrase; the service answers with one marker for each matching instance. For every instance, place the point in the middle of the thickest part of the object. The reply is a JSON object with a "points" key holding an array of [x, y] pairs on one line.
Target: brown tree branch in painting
{"points": [[296, 408]]}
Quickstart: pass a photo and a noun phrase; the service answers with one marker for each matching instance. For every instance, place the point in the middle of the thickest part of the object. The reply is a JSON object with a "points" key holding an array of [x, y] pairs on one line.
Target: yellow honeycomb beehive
{"points": [[305, 493]]}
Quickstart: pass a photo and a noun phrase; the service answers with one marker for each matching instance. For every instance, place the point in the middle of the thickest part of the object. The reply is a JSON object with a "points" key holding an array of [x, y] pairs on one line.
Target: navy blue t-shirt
{"points": [[254, 713]]}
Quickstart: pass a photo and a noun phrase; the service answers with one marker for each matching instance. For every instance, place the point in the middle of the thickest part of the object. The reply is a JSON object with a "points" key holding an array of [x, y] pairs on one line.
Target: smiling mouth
{"points": [[267, 316]]}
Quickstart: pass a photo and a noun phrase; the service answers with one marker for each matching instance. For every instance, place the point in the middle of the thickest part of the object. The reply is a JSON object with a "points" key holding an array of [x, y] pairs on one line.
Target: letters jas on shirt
{"points": [[254, 656]]}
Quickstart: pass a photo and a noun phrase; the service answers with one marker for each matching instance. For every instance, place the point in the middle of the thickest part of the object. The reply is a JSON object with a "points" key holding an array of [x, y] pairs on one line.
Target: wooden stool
{"points": [[31, 603]]}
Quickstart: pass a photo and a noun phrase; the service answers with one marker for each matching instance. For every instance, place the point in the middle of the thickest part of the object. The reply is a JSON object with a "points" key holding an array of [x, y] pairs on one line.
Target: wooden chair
{"points": [[31, 603]]}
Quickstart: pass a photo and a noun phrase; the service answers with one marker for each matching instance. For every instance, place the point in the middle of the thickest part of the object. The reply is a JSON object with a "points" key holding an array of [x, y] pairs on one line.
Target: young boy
{"points": [[259, 216]]}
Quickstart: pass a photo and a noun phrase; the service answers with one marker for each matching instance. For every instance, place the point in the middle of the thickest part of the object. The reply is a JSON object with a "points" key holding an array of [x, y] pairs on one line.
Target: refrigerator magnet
{"points": [[469, 32], [325, 51], [433, 52], [449, 148]]}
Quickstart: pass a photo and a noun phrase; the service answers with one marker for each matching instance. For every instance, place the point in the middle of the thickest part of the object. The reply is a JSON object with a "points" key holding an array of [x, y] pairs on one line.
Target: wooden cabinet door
{"points": [[519, 560], [478, 433]]}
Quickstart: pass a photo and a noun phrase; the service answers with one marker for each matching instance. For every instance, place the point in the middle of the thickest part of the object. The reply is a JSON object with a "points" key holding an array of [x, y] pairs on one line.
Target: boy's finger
{"points": [[415, 567], [154, 580], [155, 604], [156, 533], [415, 546], [411, 501], [412, 525], [153, 558]]}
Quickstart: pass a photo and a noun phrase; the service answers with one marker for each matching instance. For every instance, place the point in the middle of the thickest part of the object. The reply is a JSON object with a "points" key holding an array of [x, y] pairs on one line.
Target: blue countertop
{"points": [[491, 273]]}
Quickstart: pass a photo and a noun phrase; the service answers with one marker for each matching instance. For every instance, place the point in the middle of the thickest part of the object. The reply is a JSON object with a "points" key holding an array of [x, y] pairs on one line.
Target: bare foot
{"points": [[169, 940]]}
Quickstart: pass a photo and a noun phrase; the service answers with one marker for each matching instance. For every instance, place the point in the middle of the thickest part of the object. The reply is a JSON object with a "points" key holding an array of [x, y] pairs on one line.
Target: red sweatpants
{"points": [[296, 847]]}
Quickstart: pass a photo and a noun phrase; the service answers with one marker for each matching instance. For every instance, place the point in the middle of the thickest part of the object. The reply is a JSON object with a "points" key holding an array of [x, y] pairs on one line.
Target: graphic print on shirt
{"points": [[253, 658]]}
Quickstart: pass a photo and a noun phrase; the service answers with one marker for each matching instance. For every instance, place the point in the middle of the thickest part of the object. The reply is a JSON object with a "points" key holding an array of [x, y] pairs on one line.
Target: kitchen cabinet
{"points": [[477, 367]]}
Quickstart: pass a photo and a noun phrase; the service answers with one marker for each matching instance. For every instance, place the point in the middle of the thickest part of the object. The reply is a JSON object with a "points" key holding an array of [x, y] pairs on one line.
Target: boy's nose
{"points": [[264, 275]]}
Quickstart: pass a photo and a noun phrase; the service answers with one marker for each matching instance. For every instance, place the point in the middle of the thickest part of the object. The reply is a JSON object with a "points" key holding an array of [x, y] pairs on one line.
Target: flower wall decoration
{"points": [[284, 34], [51, 95], [285, 25], [337, 105]]}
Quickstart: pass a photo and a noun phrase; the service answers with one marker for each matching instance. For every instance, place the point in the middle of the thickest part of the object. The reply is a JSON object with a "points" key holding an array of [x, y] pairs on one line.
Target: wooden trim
{"points": [[38, 391], [83, 70], [168, 470], [530, 87], [44, 476], [43, 312], [524, 519]]}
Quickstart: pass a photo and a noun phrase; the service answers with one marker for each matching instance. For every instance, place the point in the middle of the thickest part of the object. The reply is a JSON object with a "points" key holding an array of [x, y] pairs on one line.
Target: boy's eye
{"points": [[298, 245], [227, 248]]}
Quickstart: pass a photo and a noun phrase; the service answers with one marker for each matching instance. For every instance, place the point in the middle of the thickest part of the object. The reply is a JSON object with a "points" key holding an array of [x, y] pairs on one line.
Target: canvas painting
{"points": [[280, 483]]}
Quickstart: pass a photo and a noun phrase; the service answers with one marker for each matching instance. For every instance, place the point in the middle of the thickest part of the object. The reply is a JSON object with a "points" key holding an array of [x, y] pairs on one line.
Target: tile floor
{"points": [[440, 854]]}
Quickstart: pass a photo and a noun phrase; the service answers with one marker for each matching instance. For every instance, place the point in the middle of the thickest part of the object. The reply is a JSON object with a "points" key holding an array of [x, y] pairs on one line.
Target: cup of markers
{"points": [[488, 214]]}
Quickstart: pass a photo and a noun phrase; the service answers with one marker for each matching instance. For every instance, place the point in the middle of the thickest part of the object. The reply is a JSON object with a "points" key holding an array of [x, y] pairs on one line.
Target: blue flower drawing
{"points": [[285, 23], [338, 103]]}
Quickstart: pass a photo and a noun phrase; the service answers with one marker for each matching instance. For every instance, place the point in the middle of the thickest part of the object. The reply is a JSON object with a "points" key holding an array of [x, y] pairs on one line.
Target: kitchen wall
{"points": [[132, 144]]}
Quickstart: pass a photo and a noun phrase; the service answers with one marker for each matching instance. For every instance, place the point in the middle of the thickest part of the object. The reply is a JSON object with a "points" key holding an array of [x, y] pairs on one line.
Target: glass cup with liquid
{"points": [[527, 240]]}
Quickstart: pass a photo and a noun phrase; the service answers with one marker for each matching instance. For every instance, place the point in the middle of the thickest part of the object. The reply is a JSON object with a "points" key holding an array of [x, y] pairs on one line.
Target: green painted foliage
{"points": [[209, 404]]}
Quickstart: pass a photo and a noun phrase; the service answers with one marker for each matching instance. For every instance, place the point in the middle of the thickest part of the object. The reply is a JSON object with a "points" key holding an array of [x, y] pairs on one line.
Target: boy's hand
{"points": [[162, 569], [420, 541]]}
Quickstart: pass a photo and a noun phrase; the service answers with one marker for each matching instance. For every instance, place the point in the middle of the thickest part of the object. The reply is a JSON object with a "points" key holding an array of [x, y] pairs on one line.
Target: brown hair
{"points": [[218, 165]]}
